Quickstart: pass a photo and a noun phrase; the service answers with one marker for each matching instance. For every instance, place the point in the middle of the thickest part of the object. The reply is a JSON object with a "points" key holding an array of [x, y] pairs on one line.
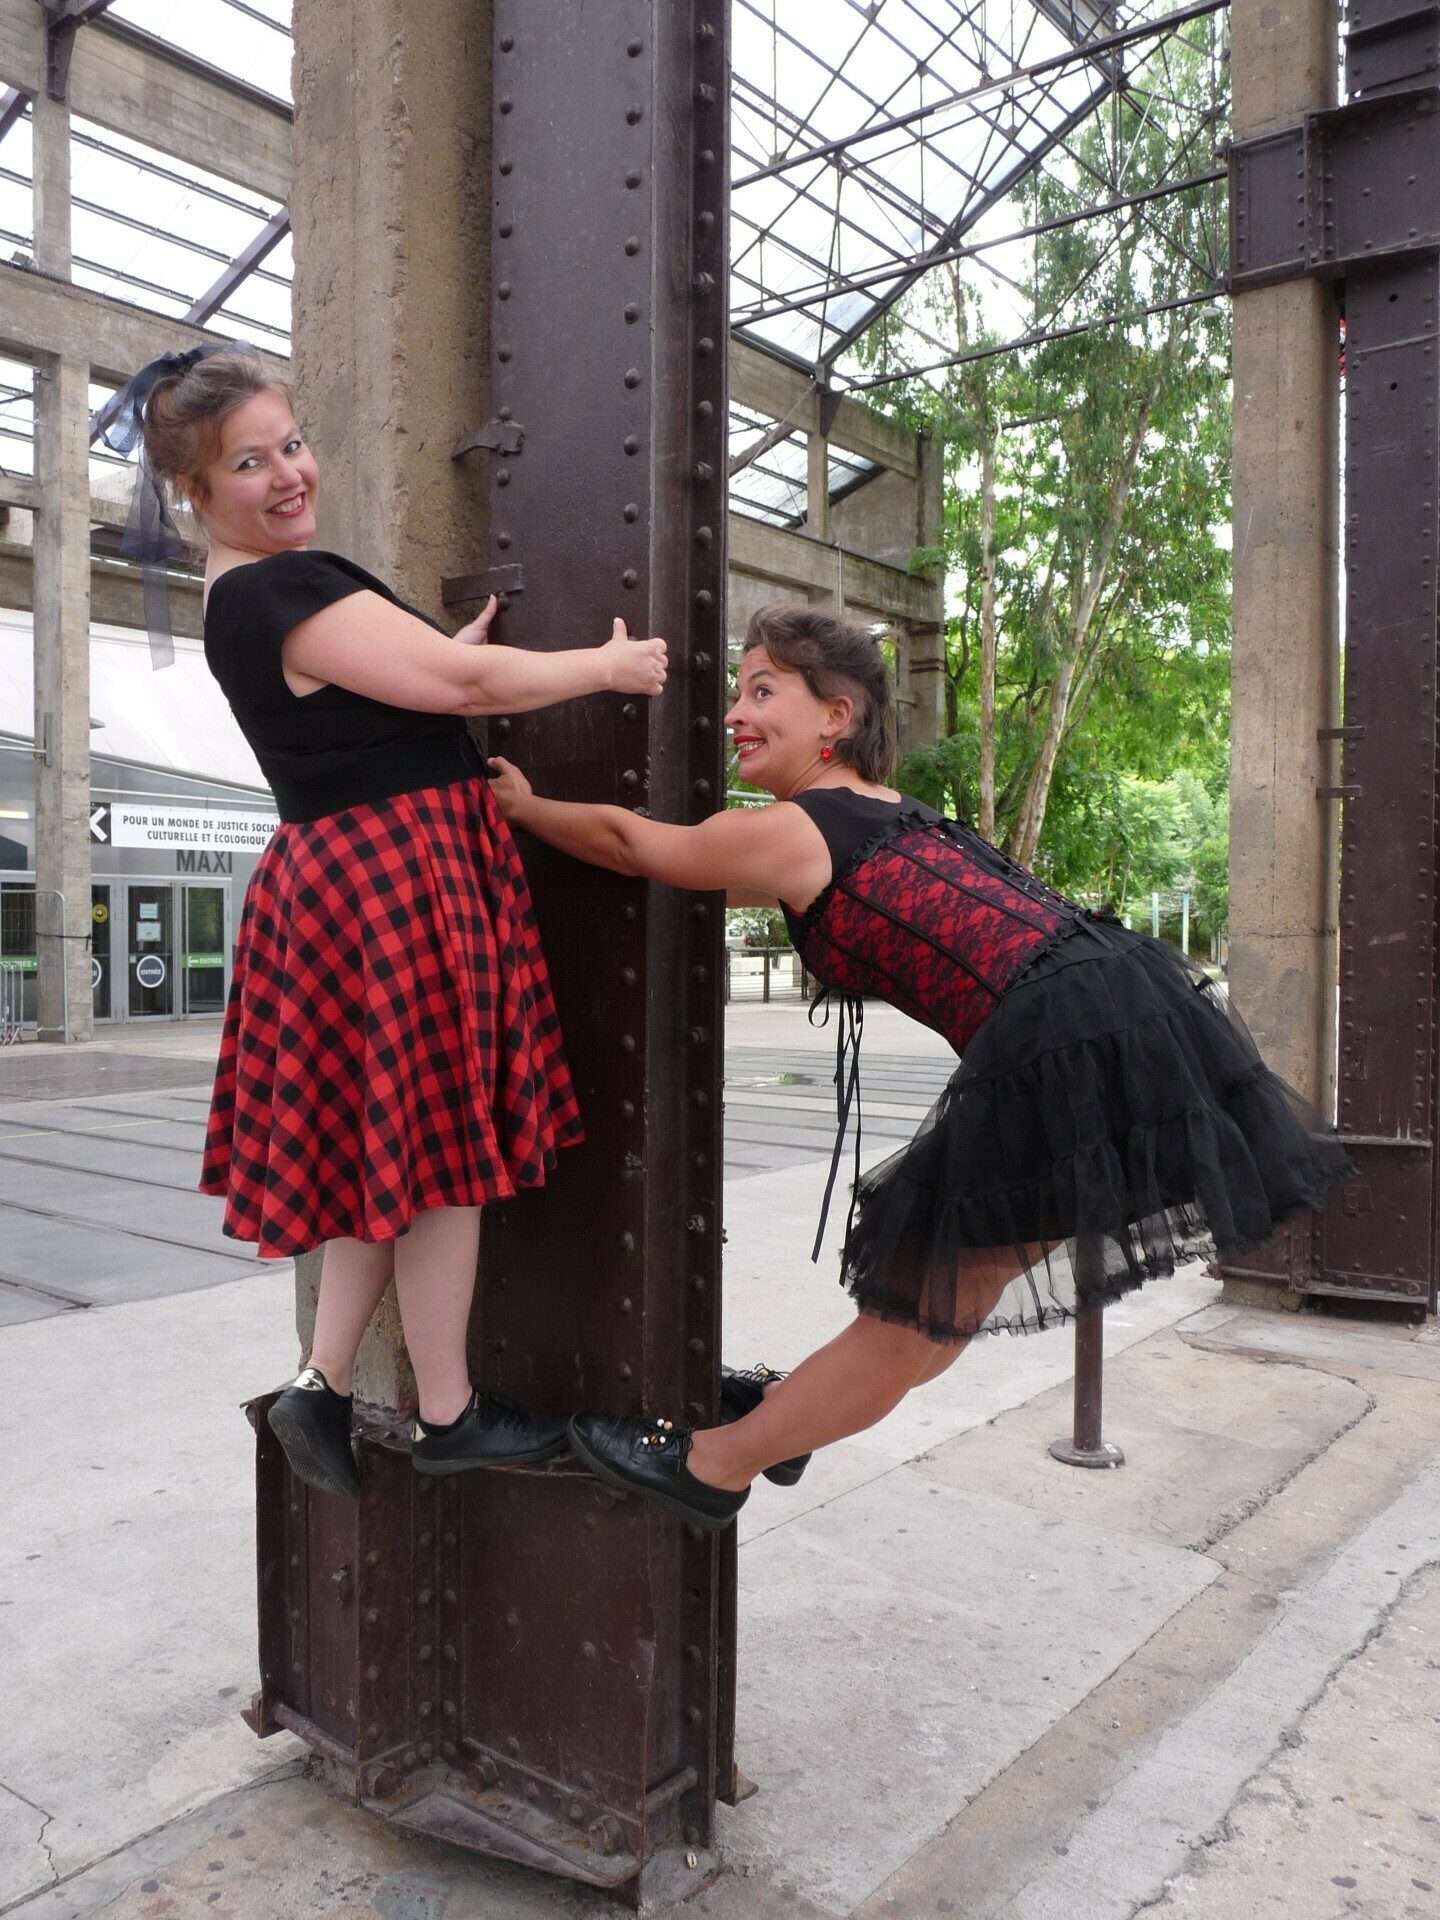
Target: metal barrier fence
{"points": [[765, 973], [12, 1001]]}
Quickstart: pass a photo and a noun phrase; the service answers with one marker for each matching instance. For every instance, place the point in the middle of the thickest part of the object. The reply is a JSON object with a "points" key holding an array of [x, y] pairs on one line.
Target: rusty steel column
{"points": [[524, 1662], [1351, 197]]}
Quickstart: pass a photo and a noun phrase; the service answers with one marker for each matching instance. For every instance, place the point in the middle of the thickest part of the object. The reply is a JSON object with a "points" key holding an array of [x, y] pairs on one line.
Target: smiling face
{"points": [[259, 492], [779, 726]]}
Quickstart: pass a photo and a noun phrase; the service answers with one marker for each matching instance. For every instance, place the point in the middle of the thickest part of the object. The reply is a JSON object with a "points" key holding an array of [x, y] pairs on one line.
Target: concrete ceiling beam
{"points": [[792, 560], [782, 392], [125, 82], [41, 317]]}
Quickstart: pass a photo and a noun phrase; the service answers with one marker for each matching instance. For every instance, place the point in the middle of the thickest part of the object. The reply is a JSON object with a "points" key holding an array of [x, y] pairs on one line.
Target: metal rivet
{"points": [[700, 1098], [692, 1714], [425, 1653], [702, 720], [588, 1649], [705, 221], [632, 178], [512, 1619], [502, 476], [372, 1559], [512, 1746], [448, 1651], [505, 229], [632, 313], [632, 376], [701, 472], [634, 115], [702, 789], [507, 105], [591, 1521], [502, 353], [502, 540], [372, 1673], [632, 245], [704, 410], [635, 49], [704, 600], [700, 1161], [627, 1243], [630, 778], [706, 157], [630, 711], [703, 536], [625, 1305], [627, 1109], [632, 443], [500, 1343], [507, 41], [372, 1616], [629, 577], [697, 1347], [507, 166], [628, 976], [702, 283], [294, 1559], [503, 290], [426, 1596], [632, 511], [449, 1539], [624, 1370], [704, 345], [629, 909]]}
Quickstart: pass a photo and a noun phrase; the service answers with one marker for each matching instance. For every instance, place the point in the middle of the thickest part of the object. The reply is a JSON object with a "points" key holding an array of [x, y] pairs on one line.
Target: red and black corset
{"points": [[933, 919]]}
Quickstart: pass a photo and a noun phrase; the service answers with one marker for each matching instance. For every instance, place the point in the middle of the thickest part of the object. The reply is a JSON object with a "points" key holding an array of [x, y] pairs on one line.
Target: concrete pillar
{"points": [[62, 695], [925, 644], [1285, 661], [50, 177], [817, 486], [391, 215]]}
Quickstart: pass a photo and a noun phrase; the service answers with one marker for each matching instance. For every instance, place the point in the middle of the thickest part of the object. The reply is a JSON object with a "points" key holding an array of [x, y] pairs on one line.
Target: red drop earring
{"points": [[827, 753]]}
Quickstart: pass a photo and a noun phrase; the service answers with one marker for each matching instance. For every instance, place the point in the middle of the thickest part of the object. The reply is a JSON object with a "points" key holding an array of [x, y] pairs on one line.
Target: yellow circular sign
{"points": [[99, 911]]}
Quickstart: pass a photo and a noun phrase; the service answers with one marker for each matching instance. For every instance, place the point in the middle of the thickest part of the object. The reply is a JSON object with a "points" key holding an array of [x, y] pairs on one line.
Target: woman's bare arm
{"points": [[777, 852], [366, 643]]}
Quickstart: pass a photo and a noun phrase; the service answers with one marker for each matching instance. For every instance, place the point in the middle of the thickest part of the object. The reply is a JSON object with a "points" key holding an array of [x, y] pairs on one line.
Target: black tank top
{"points": [[848, 821]]}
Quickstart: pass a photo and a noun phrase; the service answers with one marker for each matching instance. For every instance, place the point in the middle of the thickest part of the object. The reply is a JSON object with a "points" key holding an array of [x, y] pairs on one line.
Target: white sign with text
{"points": [[186, 827]]}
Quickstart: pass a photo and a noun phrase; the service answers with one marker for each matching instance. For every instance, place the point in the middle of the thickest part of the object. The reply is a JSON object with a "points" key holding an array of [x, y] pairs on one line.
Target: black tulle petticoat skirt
{"points": [[1110, 1119]]}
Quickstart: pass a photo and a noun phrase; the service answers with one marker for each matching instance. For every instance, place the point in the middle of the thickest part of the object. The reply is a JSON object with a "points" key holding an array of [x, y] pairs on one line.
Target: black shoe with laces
{"points": [[647, 1456], [312, 1423], [493, 1431], [741, 1391]]}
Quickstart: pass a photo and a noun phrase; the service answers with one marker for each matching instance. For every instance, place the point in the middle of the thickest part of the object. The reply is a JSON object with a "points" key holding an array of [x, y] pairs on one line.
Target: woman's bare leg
{"points": [[844, 1387], [353, 1279], [435, 1284]]}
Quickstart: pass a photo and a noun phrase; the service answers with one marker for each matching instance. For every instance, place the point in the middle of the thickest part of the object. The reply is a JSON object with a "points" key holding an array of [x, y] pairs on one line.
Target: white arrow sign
{"points": [[100, 824]]}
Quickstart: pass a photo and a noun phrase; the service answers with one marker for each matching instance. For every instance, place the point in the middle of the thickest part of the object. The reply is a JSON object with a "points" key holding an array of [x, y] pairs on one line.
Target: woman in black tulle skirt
{"points": [[1109, 1116]]}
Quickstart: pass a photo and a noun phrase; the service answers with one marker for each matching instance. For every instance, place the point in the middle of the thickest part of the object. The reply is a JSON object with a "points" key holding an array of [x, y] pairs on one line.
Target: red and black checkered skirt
{"points": [[391, 1043]]}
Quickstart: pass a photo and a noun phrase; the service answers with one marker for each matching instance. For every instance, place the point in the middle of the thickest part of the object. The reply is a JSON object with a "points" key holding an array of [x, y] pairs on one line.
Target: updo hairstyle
{"points": [[186, 411], [835, 657]]}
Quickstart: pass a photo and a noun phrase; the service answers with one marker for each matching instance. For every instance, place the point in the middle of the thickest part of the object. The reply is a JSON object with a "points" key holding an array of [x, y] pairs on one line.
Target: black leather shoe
{"points": [[312, 1423], [741, 1391], [494, 1431], [647, 1456]]}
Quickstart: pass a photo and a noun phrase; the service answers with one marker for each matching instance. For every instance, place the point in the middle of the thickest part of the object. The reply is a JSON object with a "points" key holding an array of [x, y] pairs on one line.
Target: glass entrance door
{"points": [[150, 936], [101, 970], [204, 958]]}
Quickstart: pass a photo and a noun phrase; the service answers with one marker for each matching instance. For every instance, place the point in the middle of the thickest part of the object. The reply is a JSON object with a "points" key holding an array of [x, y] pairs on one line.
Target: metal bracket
{"points": [[496, 436], [1350, 189], [63, 20], [503, 581]]}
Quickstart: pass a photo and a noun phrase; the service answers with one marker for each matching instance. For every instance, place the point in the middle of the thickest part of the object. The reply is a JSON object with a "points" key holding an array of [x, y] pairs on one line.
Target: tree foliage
{"points": [[1086, 528]]}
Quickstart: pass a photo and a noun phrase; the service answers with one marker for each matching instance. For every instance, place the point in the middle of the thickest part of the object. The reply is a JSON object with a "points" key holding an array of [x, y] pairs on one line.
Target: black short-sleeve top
{"points": [[331, 749]]}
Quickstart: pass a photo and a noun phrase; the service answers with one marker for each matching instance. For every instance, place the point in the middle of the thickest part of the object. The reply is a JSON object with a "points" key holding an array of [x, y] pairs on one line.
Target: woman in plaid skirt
{"points": [[391, 1058]]}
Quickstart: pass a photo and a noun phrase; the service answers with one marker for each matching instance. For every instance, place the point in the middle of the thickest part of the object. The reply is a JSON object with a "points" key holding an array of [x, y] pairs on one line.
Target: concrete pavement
{"points": [[973, 1681]]}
